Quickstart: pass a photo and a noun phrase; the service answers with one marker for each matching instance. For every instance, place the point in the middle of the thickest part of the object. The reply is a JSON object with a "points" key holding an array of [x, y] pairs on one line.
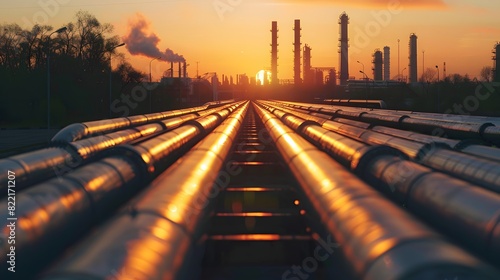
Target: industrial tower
{"points": [[387, 63], [274, 53], [296, 54], [344, 48], [377, 65], [413, 59], [307, 72], [496, 61]]}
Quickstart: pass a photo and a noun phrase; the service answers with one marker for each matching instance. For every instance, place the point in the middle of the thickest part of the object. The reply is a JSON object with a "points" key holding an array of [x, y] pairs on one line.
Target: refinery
{"points": [[331, 174]]}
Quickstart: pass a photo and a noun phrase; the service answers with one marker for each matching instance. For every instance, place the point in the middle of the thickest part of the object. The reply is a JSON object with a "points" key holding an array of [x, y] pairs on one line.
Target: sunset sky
{"points": [[233, 36]]}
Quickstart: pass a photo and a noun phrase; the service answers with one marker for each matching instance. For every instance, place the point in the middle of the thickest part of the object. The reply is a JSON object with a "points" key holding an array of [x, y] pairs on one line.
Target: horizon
{"points": [[217, 34]]}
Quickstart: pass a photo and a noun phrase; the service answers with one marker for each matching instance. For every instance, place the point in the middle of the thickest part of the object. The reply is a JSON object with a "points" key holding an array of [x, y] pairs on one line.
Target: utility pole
{"points": [[399, 77], [423, 64], [111, 72], [58, 31]]}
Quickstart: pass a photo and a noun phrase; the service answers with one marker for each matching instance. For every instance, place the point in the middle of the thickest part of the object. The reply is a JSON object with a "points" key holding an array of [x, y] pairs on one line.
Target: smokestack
{"points": [[413, 58], [171, 69], [184, 70], [344, 48], [180, 70], [387, 63], [296, 52], [274, 53]]}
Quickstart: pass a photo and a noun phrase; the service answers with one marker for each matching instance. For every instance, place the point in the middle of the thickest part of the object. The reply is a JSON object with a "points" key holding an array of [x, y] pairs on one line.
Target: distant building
{"points": [[377, 65], [387, 63], [308, 72]]}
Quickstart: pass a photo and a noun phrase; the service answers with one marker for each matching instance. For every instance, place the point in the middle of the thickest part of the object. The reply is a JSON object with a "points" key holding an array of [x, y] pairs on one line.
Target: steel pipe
{"points": [[429, 192], [358, 218], [53, 214], [163, 224]]}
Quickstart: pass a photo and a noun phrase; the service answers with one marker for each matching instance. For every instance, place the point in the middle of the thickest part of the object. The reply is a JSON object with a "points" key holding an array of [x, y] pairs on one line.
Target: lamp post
{"points": [[366, 82], [438, 103], [423, 64], [110, 72], [398, 59], [151, 80], [58, 31], [362, 66], [403, 74]]}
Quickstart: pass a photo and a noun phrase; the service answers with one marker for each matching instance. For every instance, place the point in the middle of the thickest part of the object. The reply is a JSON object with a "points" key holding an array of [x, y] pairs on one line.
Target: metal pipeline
{"points": [[472, 147], [423, 191], [54, 213], [157, 237], [379, 240], [471, 128], [35, 167], [78, 131], [435, 154]]}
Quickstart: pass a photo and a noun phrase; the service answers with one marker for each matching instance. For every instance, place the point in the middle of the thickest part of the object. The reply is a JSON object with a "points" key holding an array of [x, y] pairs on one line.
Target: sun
{"points": [[263, 77]]}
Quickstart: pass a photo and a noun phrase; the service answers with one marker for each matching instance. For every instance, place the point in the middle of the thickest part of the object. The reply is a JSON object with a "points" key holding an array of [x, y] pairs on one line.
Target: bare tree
{"points": [[10, 45], [128, 75], [429, 75], [91, 43], [486, 73]]}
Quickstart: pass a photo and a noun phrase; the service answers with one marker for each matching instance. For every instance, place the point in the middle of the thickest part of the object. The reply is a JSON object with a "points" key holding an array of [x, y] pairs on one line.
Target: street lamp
{"points": [[366, 83], [110, 72], [403, 74], [150, 80], [58, 31], [363, 67], [438, 103], [398, 59], [423, 64]]}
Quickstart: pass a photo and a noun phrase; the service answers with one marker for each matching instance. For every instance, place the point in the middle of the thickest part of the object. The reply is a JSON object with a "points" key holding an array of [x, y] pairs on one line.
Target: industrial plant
{"points": [[329, 173]]}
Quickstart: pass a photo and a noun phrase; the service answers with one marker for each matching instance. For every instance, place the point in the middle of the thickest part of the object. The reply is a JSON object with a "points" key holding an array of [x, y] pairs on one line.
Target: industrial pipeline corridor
{"points": [[260, 189]]}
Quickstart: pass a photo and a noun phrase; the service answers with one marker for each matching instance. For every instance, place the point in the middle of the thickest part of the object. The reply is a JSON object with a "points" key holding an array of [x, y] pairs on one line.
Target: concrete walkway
{"points": [[14, 141]]}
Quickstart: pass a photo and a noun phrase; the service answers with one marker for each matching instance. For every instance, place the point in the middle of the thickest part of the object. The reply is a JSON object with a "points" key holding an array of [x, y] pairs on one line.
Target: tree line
{"points": [[79, 60]]}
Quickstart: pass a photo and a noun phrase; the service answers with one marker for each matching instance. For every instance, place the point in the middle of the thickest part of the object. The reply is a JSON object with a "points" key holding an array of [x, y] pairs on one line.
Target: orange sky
{"points": [[232, 36]]}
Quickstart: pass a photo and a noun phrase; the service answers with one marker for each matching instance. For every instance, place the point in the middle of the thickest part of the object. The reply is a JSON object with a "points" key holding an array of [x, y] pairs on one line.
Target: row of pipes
{"points": [[345, 171], [80, 143], [379, 239], [453, 126], [463, 159], [53, 214]]}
